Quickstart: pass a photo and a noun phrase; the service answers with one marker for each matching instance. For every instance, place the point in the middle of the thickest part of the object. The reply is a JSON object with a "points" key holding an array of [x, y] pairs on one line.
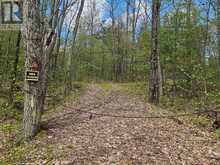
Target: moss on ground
{"points": [[106, 85]]}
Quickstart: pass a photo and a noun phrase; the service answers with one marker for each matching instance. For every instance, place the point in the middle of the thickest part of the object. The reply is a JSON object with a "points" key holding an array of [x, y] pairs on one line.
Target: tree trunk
{"points": [[189, 45], [14, 73], [39, 43], [69, 69], [133, 2], [154, 79], [203, 56], [218, 29], [127, 38], [58, 42]]}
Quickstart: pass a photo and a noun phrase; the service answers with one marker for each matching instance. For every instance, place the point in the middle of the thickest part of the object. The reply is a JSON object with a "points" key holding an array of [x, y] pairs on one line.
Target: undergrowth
{"points": [[106, 85], [11, 125], [137, 87], [9, 112], [177, 104], [202, 121]]}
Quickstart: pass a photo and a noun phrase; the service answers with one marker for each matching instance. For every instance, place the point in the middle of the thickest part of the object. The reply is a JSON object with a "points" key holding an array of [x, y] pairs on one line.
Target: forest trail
{"points": [[75, 137]]}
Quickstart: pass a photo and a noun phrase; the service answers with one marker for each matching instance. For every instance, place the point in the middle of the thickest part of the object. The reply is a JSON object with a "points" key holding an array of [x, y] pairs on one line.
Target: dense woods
{"points": [[168, 49]]}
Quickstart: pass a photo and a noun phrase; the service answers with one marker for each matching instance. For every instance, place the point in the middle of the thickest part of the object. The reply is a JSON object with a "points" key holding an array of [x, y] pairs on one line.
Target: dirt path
{"points": [[80, 138]]}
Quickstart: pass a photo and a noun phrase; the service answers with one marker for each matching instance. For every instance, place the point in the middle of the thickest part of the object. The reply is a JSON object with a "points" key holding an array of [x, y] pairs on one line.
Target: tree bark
{"points": [[154, 79], [39, 42]]}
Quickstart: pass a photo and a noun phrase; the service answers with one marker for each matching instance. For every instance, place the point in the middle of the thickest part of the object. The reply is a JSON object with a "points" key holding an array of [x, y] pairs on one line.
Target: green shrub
{"points": [[9, 112], [7, 127], [214, 97], [19, 97]]}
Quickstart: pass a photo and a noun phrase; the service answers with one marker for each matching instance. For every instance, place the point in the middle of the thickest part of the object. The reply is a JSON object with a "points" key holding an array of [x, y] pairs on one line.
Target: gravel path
{"points": [[80, 138]]}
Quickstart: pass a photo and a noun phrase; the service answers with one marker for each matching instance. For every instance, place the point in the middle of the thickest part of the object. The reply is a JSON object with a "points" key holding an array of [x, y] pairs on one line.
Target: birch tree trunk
{"points": [[39, 42], [155, 73]]}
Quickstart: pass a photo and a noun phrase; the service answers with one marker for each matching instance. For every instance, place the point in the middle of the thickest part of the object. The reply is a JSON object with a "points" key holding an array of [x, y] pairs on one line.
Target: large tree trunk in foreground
{"points": [[39, 43], [155, 73]]}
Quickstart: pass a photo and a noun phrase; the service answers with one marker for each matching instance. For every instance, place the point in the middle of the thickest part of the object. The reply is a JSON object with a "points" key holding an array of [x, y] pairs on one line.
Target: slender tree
{"points": [[154, 78], [70, 67], [218, 28]]}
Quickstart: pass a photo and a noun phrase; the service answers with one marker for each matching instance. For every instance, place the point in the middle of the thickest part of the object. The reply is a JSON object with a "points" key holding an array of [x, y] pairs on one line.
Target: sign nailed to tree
{"points": [[32, 76], [10, 14]]}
